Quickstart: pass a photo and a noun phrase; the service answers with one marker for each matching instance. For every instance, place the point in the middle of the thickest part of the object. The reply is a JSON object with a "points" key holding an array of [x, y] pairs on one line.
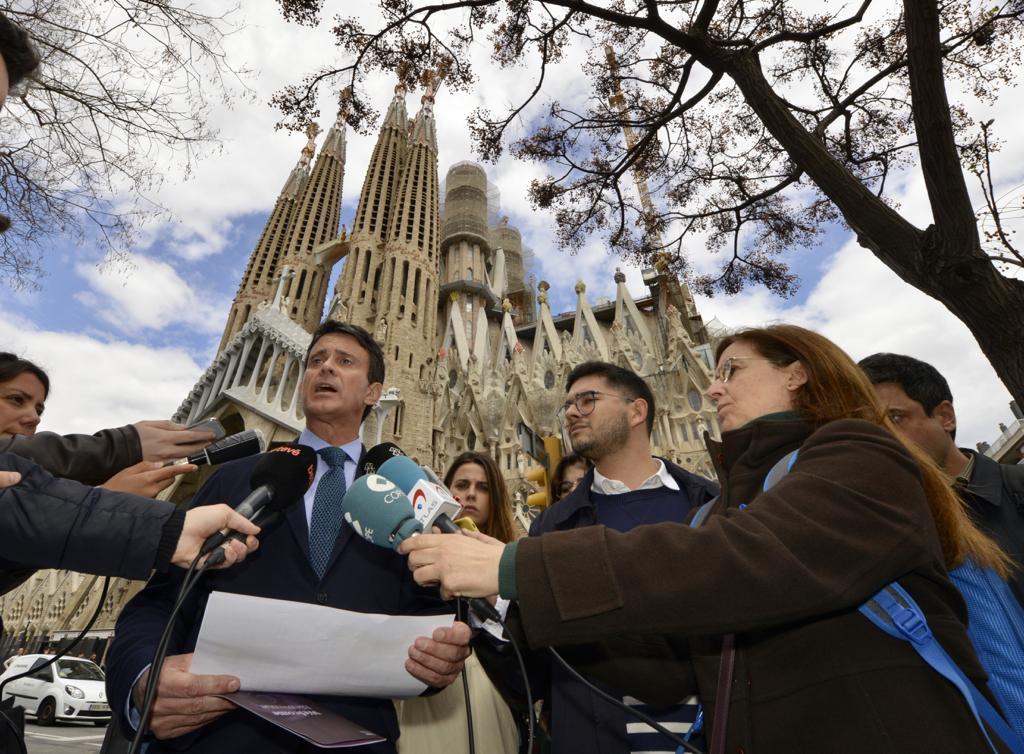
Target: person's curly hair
{"points": [[17, 50]]}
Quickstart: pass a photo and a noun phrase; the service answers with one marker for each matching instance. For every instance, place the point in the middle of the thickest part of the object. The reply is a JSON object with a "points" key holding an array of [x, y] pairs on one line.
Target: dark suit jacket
{"points": [[360, 577]]}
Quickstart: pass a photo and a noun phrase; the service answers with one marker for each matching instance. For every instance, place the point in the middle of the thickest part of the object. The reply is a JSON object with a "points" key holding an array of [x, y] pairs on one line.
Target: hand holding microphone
{"points": [[464, 566], [241, 445], [280, 479], [380, 511], [207, 520]]}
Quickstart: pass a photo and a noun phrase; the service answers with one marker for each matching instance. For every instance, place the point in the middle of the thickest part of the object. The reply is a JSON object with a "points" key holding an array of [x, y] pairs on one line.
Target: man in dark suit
{"points": [[311, 556]]}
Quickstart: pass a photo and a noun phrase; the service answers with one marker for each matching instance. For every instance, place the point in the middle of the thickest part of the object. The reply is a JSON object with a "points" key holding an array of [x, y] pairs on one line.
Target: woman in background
{"points": [[438, 724], [568, 473]]}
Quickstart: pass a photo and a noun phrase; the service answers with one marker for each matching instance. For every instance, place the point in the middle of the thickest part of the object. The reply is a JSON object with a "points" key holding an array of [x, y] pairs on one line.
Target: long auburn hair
{"points": [[837, 388], [499, 516]]}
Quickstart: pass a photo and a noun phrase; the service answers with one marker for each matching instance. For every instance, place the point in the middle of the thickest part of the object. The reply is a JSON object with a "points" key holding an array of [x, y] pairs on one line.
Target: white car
{"points": [[72, 688]]}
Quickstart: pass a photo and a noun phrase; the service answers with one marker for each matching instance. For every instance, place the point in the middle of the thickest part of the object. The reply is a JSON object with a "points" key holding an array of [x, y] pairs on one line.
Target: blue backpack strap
{"points": [[780, 469], [702, 513], [894, 611]]}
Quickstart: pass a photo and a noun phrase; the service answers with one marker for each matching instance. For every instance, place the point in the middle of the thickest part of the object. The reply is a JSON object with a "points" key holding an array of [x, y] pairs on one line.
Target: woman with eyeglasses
{"points": [[766, 593]]}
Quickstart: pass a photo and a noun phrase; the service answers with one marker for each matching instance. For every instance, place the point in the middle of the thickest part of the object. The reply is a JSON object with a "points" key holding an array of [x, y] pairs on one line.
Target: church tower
{"points": [[356, 297], [317, 214], [472, 281], [258, 282], [389, 284]]}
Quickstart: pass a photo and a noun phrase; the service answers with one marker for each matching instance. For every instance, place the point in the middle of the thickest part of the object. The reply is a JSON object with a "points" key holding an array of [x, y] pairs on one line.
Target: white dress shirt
{"points": [[661, 478]]}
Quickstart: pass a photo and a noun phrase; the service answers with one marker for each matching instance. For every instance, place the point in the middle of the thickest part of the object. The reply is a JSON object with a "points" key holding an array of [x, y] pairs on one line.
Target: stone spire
{"points": [[424, 127], [257, 284], [390, 285], [358, 286], [317, 215]]}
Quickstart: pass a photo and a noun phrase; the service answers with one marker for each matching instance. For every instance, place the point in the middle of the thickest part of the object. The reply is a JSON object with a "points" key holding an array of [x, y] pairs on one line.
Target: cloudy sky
{"points": [[127, 343]]}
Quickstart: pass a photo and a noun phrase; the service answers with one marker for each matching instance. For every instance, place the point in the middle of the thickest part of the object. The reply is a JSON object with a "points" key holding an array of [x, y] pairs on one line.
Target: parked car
{"points": [[72, 688]]}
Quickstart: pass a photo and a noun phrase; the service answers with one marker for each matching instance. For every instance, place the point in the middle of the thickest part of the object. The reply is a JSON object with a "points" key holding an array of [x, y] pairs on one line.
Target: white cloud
{"points": [[97, 383], [150, 295]]}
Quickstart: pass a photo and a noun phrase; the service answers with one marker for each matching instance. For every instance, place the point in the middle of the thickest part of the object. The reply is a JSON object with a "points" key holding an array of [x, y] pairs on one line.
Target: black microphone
{"points": [[280, 479], [231, 448], [379, 454]]}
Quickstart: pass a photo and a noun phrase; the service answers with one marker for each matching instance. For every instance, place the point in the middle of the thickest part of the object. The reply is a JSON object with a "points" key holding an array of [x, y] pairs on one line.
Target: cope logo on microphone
{"points": [[287, 449], [378, 483]]}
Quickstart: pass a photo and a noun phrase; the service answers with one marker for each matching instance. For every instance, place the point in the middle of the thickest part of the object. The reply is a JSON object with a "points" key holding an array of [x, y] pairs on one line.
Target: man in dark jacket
{"points": [[920, 403], [609, 415], [311, 556]]}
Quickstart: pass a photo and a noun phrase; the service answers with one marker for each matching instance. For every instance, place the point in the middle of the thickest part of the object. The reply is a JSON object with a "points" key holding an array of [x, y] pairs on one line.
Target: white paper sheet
{"points": [[298, 648]]}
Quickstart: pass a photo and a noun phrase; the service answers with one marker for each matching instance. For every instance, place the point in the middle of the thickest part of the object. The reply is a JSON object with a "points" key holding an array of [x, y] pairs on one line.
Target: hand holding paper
{"points": [[294, 647]]}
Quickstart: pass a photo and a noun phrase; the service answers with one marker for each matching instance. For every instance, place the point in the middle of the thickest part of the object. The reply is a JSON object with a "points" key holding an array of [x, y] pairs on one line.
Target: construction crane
{"points": [[676, 292]]}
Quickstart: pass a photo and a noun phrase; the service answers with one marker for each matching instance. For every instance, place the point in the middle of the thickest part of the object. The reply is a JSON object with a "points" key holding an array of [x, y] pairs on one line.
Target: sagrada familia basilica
{"points": [[475, 358]]}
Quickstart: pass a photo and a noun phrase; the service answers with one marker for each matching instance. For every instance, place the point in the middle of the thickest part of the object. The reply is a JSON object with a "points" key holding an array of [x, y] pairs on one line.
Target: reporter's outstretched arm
{"points": [[89, 459], [146, 478], [47, 522]]}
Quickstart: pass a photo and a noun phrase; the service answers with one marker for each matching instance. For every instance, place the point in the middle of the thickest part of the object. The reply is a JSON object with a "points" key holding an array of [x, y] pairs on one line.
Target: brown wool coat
{"points": [[786, 575]]}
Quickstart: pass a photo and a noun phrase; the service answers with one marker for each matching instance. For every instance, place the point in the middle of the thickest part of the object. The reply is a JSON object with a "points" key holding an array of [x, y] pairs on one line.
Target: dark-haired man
{"points": [[920, 403], [608, 415], [312, 556]]}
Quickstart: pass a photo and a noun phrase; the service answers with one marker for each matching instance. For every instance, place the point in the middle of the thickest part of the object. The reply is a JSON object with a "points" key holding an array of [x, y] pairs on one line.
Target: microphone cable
{"points": [[18, 735], [461, 614], [530, 715], [192, 577], [675, 738]]}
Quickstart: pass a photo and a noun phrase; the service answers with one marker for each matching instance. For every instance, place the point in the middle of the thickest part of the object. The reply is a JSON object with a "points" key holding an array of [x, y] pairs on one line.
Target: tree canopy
{"points": [[755, 123], [120, 80]]}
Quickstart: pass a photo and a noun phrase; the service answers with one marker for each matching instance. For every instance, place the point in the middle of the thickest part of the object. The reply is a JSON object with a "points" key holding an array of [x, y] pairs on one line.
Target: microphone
{"points": [[433, 505], [280, 479], [378, 455], [430, 500], [379, 511], [231, 448]]}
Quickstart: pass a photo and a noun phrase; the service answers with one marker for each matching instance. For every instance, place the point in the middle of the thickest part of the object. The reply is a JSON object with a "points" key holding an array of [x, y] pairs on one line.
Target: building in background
{"points": [[475, 358]]}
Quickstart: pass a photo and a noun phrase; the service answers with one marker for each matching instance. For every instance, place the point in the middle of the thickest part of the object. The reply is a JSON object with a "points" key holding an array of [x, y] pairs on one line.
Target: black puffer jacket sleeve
{"points": [[47, 522], [89, 459]]}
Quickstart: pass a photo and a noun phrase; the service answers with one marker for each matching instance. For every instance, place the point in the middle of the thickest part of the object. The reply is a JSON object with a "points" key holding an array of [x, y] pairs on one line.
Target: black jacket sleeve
{"points": [[47, 522], [89, 459]]}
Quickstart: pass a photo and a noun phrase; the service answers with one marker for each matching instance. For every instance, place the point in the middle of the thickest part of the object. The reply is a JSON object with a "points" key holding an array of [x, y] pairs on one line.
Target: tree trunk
{"points": [[949, 266]]}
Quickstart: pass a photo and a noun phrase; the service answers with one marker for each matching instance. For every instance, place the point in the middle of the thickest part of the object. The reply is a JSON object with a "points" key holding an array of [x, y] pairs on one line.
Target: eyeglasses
{"points": [[727, 367], [585, 402]]}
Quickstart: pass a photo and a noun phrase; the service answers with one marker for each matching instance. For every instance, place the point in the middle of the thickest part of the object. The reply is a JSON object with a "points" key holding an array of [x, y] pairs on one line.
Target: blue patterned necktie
{"points": [[326, 517]]}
